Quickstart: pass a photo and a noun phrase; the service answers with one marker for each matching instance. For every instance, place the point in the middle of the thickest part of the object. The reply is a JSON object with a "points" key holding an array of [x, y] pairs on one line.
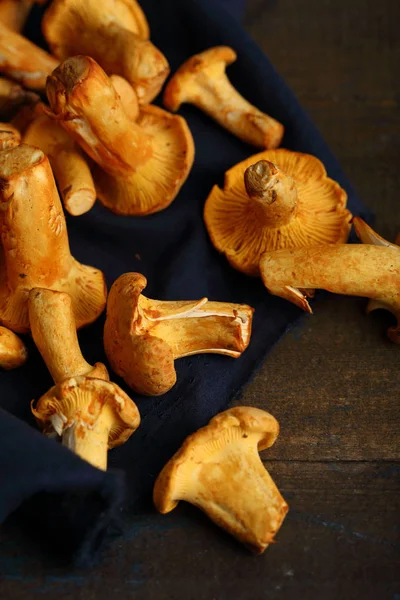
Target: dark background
{"points": [[333, 382]]}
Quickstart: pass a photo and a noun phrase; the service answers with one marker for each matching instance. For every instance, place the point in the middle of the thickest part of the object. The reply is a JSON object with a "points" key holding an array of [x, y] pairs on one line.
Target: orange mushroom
{"points": [[35, 242], [112, 32], [143, 337], [202, 81], [69, 166], [13, 352], [21, 60], [141, 165], [9, 136], [275, 199], [12, 97]]}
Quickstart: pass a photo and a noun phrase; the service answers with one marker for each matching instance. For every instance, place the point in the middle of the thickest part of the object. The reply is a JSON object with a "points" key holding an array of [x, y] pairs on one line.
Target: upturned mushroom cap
{"points": [[35, 243], [21, 60], [219, 470], [13, 352], [84, 399], [9, 136], [143, 337], [114, 33], [140, 166], [243, 227]]}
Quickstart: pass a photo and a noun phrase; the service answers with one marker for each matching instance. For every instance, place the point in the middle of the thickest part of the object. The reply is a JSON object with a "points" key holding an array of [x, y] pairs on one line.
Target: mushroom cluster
{"points": [[79, 125]]}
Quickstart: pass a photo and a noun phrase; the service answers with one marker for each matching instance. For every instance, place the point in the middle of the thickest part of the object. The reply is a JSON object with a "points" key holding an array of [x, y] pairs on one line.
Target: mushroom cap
{"points": [[236, 230], [157, 182], [13, 352], [61, 21], [9, 136], [226, 427], [84, 398], [212, 61]]}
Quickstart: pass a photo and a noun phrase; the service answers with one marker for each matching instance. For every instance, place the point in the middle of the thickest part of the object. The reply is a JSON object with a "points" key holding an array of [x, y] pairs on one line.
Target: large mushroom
{"points": [[219, 470], [90, 413], [21, 60], [276, 199], [112, 32], [35, 242], [143, 337], [13, 351], [370, 269], [68, 164], [140, 166], [202, 81]]}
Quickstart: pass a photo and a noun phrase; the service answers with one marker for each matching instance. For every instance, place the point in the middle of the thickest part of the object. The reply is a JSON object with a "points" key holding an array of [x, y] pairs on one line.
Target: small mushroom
{"points": [[141, 165], [12, 97], [69, 166], [88, 411], [114, 35], [276, 199], [143, 337], [13, 352], [202, 81], [9, 136], [21, 60], [219, 470], [370, 270], [35, 242]]}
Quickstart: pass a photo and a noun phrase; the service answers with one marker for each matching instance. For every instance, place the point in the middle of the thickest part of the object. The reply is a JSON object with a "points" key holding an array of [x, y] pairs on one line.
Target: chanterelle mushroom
{"points": [[202, 81], [13, 352], [12, 97], [9, 136], [371, 270], [69, 166], [21, 60], [14, 13], [141, 165], [143, 337], [219, 470], [275, 199], [35, 242], [89, 412], [113, 34]]}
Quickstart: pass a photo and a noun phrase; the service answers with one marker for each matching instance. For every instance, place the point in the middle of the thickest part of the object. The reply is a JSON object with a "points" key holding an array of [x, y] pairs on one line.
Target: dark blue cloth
{"points": [[173, 251]]}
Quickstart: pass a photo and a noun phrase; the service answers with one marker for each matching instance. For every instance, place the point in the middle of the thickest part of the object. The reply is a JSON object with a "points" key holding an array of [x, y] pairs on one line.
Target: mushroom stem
{"points": [[90, 442], [23, 61], [122, 146], [273, 193], [53, 330], [355, 270], [70, 168], [14, 13], [202, 81]]}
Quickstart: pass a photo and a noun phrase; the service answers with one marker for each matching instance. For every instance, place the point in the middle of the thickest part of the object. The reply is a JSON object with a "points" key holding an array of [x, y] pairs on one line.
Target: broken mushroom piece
{"points": [[370, 270], [9, 136], [90, 413], [202, 81], [12, 97], [21, 60], [141, 165], [219, 470], [143, 337], [273, 200], [13, 352], [69, 166], [35, 243], [113, 35]]}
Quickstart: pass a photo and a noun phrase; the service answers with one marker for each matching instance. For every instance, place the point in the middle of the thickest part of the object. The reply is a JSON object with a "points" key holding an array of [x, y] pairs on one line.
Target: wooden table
{"points": [[333, 382]]}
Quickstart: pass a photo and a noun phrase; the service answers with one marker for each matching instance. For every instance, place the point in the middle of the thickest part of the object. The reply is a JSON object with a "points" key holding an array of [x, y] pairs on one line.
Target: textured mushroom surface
{"points": [[143, 337], [9, 136], [370, 270], [219, 470], [140, 166], [112, 32], [21, 60], [13, 352], [202, 81], [12, 97], [298, 206], [35, 243]]}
